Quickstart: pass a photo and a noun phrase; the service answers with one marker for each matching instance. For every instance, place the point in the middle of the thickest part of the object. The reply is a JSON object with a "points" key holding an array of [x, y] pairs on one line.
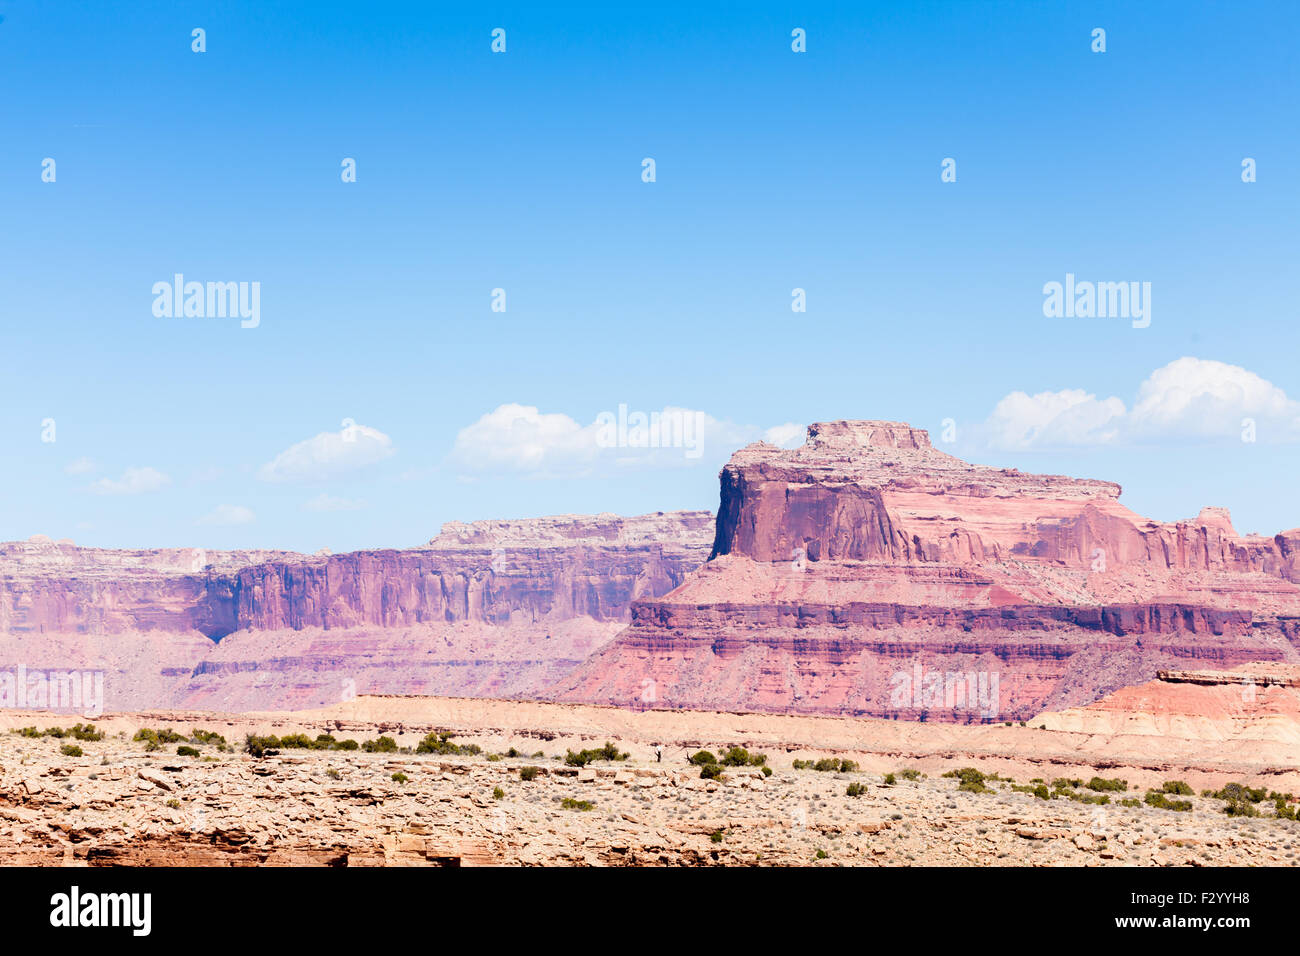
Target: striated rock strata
{"points": [[485, 608], [868, 573]]}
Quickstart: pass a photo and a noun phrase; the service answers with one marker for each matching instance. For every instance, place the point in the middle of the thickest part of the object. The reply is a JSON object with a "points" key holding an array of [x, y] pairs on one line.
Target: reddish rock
{"points": [[500, 607], [841, 567]]}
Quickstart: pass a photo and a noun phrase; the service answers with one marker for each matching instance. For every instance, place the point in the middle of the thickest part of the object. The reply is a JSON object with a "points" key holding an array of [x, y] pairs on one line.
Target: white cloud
{"points": [[1205, 398], [521, 438], [134, 481], [788, 435], [1068, 417], [82, 466], [324, 502], [1189, 398], [328, 455], [228, 515]]}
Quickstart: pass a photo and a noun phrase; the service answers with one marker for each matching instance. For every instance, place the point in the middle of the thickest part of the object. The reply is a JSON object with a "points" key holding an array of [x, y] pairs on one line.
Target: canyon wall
{"points": [[497, 607], [868, 573]]}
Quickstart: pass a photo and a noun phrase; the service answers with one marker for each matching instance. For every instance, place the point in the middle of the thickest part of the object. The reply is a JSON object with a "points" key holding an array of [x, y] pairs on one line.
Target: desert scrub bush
{"points": [[889, 780], [1101, 784], [528, 773], [210, 737], [584, 757], [568, 803], [441, 743], [154, 739], [711, 771], [1176, 787], [184, 751], [333, 774], [400, 777], [827, 765], [498, 793], [1158, 798], [821, 854], [1239, 792], [174, 803], [740, 757], [1130, 802], [907, 773], [380, 745], [702, 757], [767, 771], [494, 757], [972, 780], [716, 836], [856, 789], [1240, 808], [1067, 783], [259, 747], [71, 750]]}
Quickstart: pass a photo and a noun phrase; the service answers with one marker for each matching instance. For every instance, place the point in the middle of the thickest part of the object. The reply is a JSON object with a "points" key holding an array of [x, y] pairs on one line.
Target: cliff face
{"points": [[490, 607], [866, 572]]}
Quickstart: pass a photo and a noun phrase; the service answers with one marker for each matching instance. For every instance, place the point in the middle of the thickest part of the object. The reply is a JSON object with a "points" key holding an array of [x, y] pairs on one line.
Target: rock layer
{"points": [[485, 608], [866, 572]]}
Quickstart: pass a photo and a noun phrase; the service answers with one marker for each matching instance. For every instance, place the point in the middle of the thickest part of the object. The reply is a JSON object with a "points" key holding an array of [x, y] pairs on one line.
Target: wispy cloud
{"points": [[134, 481], [1188, 399], [228, 515], [328, 455], [521, 439], [324, 502]]}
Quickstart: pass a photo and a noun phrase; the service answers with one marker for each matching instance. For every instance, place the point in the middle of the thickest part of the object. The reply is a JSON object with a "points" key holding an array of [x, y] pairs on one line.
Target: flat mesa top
{"points": [[900, 456]]}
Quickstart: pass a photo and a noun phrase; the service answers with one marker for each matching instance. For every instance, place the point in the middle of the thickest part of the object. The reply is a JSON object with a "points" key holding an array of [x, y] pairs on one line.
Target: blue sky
{"points": [[522, 171]]}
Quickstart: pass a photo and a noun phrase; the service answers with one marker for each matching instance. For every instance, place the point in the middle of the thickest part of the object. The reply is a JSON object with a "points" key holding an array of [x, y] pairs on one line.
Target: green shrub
{"points": [[380, 745], [157, 737], [400, 777], [909, 774], [1240, 808], [498, 793], [441, 743], [584, 757], [1101, 784], [716, 836], [1158, 798], [71, 750], [711, 771], [856, 789], [568, 803], [1240, 793], [740, 757], [972, 780], [260, 747], [702, 757], [184, 751], [198, 736], [528, 773], [1177, 787]]}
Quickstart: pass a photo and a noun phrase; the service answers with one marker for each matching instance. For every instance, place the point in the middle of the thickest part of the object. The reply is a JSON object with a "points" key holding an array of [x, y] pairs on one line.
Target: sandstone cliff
{"points": [[866, 572], [490, 607]]}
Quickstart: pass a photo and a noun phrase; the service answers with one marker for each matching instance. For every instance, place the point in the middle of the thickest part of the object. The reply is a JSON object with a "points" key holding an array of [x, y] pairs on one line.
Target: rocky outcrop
{"points": [[490, 607], [867, 572]]}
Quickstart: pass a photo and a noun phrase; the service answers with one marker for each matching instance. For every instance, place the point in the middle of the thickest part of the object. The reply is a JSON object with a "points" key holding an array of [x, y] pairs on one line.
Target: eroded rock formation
{"points": [[485, 608], [866, 572]]}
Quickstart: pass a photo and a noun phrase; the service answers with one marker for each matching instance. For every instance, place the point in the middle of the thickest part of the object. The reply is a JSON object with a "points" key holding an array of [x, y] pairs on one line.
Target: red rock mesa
{"points": [[869, 573], [489, 608]]}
